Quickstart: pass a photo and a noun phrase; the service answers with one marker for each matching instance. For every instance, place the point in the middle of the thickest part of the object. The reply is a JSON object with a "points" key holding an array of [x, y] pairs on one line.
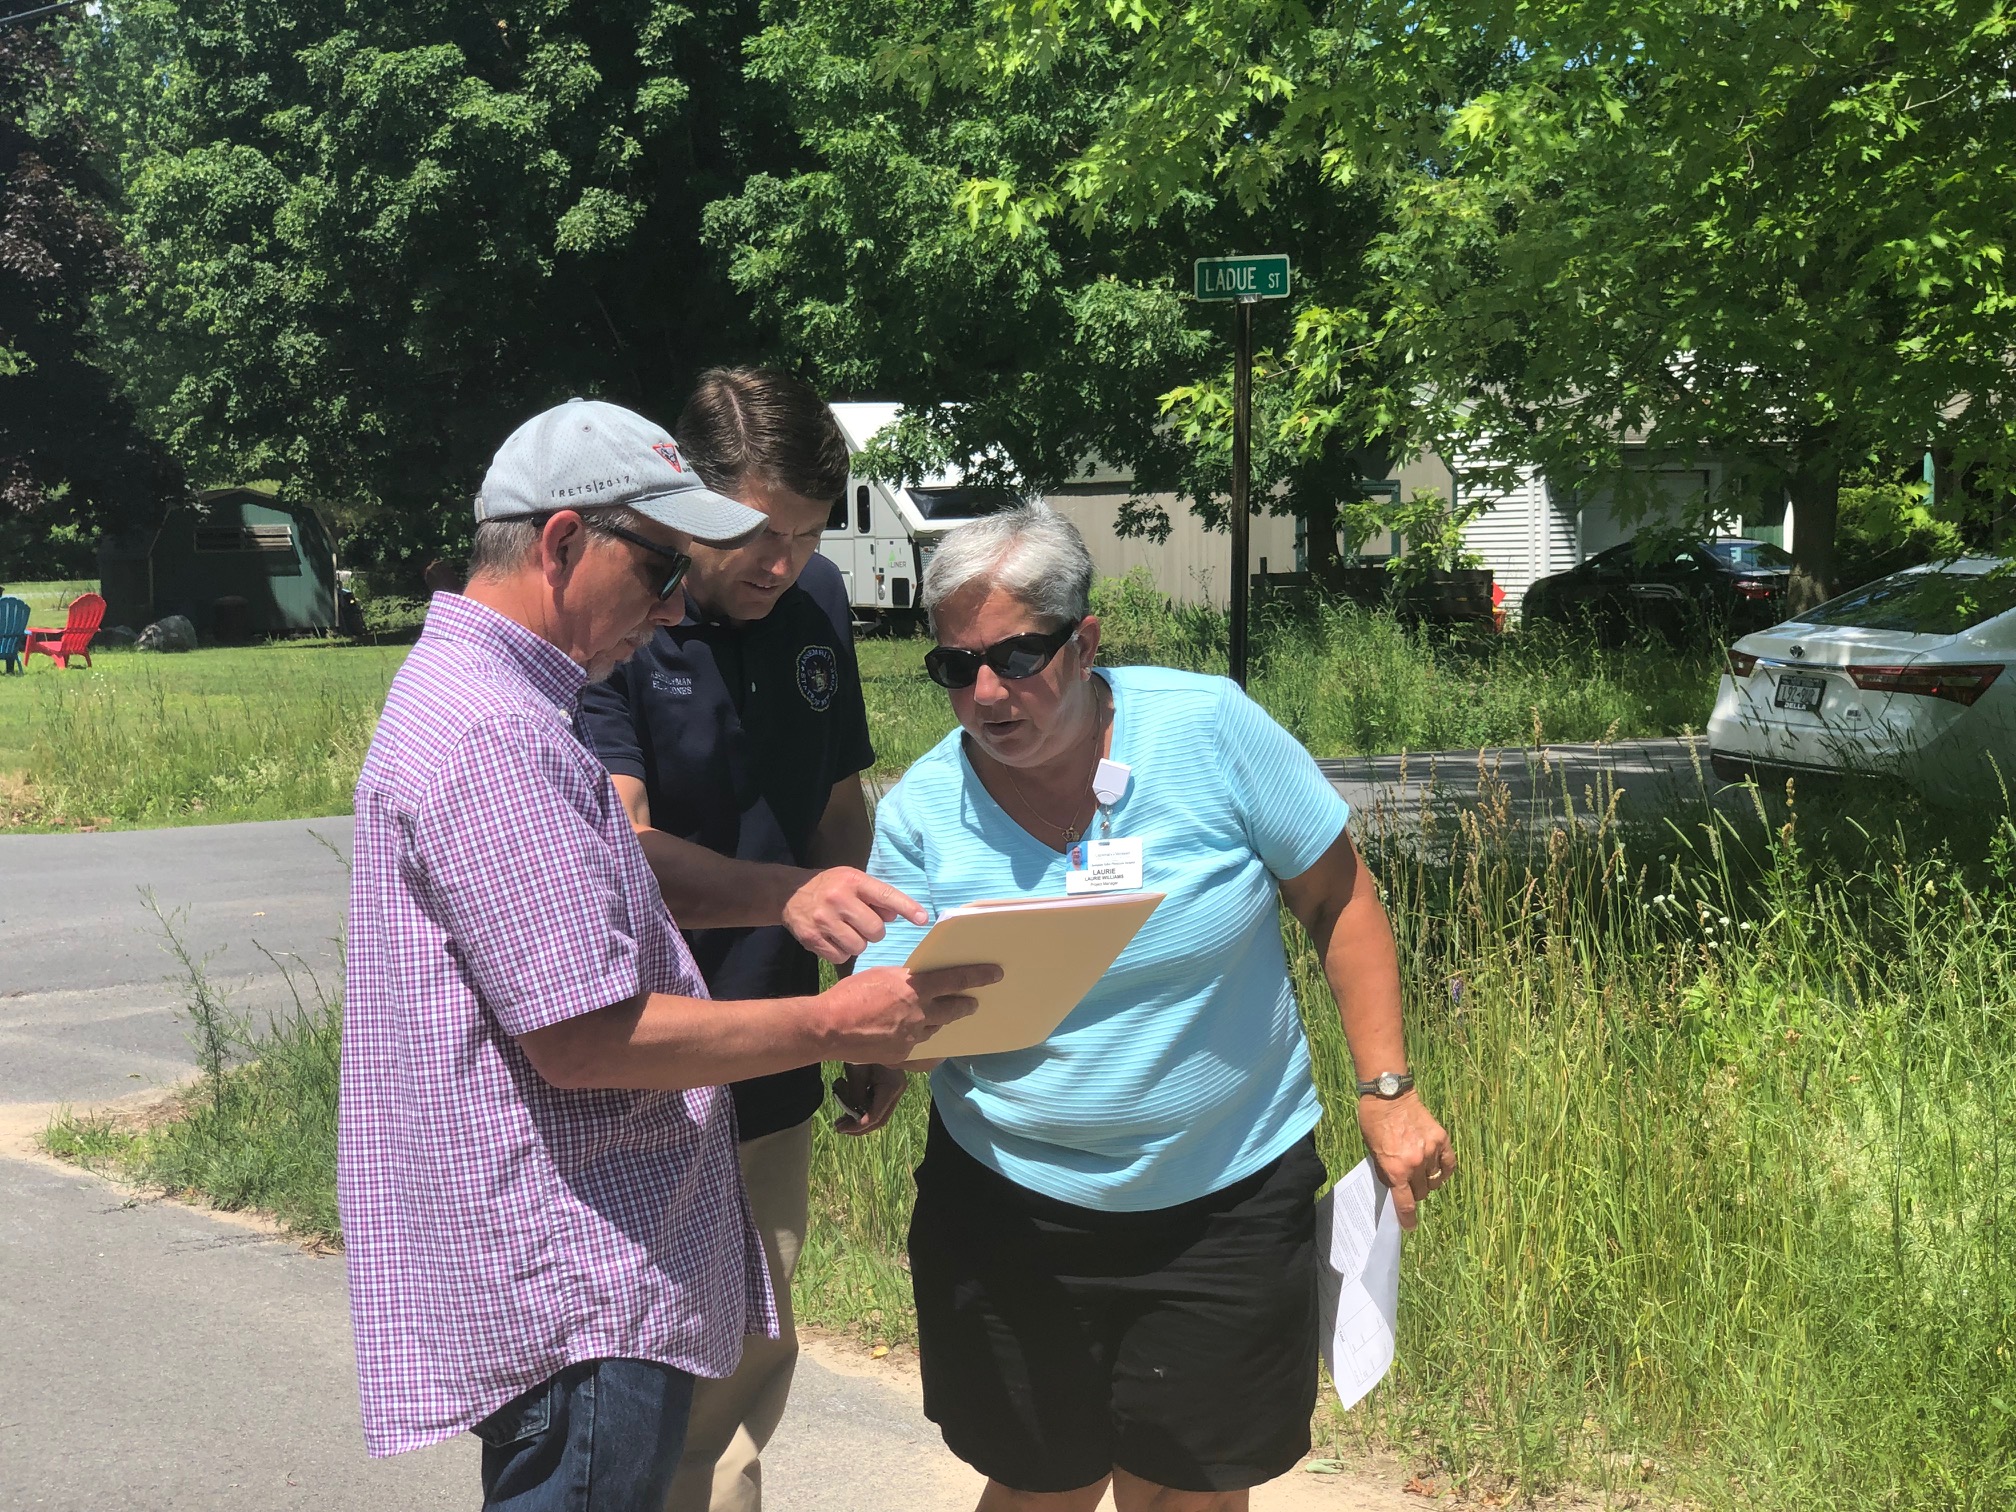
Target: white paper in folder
{"points": [[1359, 1283]]}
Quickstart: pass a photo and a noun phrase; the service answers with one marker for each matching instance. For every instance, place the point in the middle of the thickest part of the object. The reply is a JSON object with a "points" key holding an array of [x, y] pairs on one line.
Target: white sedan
{"points": [[1907, 677]]}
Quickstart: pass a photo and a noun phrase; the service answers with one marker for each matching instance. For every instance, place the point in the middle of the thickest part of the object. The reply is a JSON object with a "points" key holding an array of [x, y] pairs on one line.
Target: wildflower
{"points": [[1456, 991]]}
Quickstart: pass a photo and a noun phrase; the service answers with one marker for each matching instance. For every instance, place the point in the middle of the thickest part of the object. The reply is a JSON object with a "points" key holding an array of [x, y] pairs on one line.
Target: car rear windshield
{"points": [[1746, 556], [1920, 603], [964, 503]]}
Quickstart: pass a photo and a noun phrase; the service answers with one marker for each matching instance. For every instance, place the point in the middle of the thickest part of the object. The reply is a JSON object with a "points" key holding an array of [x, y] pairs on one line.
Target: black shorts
{"points": [[1058, 1341]]}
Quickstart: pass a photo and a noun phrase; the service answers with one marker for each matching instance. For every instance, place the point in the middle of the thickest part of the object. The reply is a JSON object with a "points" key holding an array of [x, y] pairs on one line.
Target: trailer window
{"points": [[962, 502], [837, 518], [232, 536], [862, 522]]}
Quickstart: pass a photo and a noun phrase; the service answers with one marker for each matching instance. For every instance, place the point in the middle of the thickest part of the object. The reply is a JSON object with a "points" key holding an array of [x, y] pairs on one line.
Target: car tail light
{"points": [[1741, 663], [1751, 588], [1961, 685]]}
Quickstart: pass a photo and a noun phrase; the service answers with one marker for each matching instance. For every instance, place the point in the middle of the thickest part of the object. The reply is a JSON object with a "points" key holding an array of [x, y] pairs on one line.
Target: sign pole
{"points": [[1242, 472], [1245, 281]]}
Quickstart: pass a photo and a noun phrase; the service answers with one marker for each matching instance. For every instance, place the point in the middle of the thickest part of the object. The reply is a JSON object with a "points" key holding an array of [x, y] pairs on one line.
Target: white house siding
{"points": [[1525, 535], [1193, 565]]}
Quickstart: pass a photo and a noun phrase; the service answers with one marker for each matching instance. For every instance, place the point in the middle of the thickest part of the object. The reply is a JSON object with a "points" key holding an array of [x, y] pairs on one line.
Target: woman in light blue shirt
{"points": [[1114, 1247]]}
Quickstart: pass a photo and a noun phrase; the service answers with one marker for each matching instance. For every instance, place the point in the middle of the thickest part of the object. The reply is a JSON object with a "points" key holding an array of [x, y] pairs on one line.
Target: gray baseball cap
{"points": [[585, 454]]}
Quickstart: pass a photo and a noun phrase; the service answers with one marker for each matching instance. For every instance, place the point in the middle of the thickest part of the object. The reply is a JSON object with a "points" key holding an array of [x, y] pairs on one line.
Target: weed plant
{"points": [[257, 1131]]}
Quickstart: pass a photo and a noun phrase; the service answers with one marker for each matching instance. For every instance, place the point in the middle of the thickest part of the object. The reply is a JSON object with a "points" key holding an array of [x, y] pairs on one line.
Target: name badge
{"points": [[1098, 866]]}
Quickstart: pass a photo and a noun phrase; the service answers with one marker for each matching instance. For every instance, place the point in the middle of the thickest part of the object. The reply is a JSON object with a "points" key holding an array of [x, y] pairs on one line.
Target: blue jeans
{"points": [[601, 1436]]}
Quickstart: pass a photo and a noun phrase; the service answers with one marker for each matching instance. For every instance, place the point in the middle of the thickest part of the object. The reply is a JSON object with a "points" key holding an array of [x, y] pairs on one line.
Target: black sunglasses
{"points": [[1017, 657], [679, 560]]}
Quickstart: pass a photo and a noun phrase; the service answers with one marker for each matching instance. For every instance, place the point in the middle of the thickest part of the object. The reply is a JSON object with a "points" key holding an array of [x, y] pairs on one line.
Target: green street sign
{"points": [[1262, 277]]}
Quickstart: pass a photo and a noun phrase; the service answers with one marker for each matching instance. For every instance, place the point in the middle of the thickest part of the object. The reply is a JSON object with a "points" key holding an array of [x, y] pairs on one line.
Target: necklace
{"points": [[1070, 832]]}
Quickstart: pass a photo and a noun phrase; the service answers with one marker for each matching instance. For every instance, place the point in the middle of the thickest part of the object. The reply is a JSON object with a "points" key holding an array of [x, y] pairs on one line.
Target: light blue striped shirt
{"points": [[1185, 1068]]}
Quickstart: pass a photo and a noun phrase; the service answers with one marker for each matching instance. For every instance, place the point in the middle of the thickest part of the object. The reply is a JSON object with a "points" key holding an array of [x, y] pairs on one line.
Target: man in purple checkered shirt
{"points": [[544, 1217]]}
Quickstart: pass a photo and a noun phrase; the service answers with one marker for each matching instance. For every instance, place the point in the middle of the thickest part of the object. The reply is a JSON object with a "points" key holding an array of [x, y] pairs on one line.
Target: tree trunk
{"points": [[1815, 488], [1319, 535]]}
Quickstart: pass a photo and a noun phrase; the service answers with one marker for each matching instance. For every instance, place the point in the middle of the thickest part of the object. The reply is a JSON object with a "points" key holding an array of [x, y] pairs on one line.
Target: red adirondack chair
{"points": [[87, 613]]}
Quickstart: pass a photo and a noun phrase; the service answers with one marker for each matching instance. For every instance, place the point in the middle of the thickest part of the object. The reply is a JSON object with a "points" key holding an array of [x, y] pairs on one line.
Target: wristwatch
{"points": [[1387, 1085]]}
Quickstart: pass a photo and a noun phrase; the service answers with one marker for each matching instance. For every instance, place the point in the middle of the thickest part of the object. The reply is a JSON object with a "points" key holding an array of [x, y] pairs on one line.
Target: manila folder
{"points": [[1050, 951]]}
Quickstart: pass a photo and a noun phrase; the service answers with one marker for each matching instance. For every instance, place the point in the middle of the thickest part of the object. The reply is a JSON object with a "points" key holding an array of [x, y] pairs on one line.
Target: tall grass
{"points": [[1732, 1095], [1733, 1103], [1738, 1162], [1352, 681], [261, 733]]}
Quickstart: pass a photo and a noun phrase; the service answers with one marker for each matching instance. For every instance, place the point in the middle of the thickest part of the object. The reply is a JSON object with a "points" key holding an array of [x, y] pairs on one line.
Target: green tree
{"points": [[384, 231], [1777, 232], [71, 453], [892, 262]]}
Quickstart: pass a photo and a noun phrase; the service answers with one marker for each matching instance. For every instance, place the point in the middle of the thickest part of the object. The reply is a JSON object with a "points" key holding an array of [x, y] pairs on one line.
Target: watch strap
{"points": [[1400, 1083]]}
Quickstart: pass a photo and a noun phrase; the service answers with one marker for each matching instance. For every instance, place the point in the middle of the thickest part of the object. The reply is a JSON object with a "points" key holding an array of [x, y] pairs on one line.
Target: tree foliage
{"points": [[70, 451], [1772, 231], [384, 231], [895, 262]]}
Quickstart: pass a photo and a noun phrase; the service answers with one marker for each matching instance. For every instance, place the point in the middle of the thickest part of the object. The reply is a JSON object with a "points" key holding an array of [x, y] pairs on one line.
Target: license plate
{"points": [[1802, 693]]}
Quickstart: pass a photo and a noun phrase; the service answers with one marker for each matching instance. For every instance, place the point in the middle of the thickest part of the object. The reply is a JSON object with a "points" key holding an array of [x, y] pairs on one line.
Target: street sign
{"points": [[1262, 277]]}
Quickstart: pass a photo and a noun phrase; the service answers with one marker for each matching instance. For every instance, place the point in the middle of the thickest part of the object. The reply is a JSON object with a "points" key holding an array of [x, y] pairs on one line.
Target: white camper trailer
{"points": [[880, 534]]}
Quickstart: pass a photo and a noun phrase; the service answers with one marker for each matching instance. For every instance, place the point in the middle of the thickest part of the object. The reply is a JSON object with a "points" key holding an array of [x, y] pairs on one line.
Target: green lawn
{"points": [[47, 601], [278, 731], [138, 739]]}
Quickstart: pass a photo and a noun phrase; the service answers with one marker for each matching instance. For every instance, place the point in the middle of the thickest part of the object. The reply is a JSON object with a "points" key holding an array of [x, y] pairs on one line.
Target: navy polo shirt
{"points": [[739, 733]]}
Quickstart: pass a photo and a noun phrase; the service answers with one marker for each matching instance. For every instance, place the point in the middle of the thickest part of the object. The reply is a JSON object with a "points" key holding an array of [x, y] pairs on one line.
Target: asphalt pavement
{"points": [[89, 994], [1536, 786]]}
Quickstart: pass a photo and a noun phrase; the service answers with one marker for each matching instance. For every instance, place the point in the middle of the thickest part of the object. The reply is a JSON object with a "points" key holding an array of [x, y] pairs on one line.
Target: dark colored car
{"points": [[1678, 589]]}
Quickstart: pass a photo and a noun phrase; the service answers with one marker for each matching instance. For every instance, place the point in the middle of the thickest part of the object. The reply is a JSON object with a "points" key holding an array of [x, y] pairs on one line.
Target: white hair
{"points": [[502, 547], [1032, 551]]}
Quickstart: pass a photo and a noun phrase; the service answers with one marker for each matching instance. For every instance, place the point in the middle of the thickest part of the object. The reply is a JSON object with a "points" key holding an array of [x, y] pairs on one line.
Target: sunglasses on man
{"points": [[680, 562], [1013, 659]]}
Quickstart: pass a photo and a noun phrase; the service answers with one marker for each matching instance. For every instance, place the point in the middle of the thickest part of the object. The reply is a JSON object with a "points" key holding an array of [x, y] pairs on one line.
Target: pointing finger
{"points": [[891, 903]]}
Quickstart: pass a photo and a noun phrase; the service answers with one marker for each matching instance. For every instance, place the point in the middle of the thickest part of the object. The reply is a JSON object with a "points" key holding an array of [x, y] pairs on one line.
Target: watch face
{"points": [[1389, 1084]]}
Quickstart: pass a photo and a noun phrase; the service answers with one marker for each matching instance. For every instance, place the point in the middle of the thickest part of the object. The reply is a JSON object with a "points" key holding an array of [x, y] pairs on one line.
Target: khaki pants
{"points": [[733, 1418]]}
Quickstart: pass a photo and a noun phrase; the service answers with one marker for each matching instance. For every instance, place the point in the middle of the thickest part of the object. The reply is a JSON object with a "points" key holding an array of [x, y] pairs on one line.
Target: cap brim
{"points": [[710, 518]]}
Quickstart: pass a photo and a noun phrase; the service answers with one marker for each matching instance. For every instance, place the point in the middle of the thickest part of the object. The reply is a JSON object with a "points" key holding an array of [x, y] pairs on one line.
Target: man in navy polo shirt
{"points": [[736, 740]]}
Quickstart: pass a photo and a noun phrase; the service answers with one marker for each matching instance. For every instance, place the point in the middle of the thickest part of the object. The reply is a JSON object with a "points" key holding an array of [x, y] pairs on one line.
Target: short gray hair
{"points": [[1032, 551], [502, 547]]}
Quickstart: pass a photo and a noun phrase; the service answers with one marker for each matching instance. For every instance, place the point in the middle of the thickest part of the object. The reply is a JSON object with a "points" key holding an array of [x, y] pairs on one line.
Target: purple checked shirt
{"points": [[498, 1228]]}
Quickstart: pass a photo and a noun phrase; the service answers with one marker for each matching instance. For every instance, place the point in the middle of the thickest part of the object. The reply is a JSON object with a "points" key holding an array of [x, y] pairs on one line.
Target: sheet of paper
{"points": [[1359, 1281]]}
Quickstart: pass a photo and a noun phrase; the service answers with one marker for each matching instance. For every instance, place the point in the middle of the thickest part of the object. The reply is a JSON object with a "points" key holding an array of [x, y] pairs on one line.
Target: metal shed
{"points": [[238, 562]]}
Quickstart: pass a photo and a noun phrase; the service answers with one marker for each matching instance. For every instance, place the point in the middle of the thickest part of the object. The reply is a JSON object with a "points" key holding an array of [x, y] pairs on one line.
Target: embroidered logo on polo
{"points": [[674, 684], [818, 676]]}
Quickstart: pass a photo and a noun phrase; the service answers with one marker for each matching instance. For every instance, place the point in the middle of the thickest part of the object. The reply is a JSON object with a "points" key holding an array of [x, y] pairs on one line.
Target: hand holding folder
{"points": [[1051, 952]]}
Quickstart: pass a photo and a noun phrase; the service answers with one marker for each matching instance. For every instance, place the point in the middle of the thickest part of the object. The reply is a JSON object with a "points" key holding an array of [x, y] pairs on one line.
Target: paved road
{"points": [[1540, 786], [165, 1359], [186, 1360], [87, 1010]]}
